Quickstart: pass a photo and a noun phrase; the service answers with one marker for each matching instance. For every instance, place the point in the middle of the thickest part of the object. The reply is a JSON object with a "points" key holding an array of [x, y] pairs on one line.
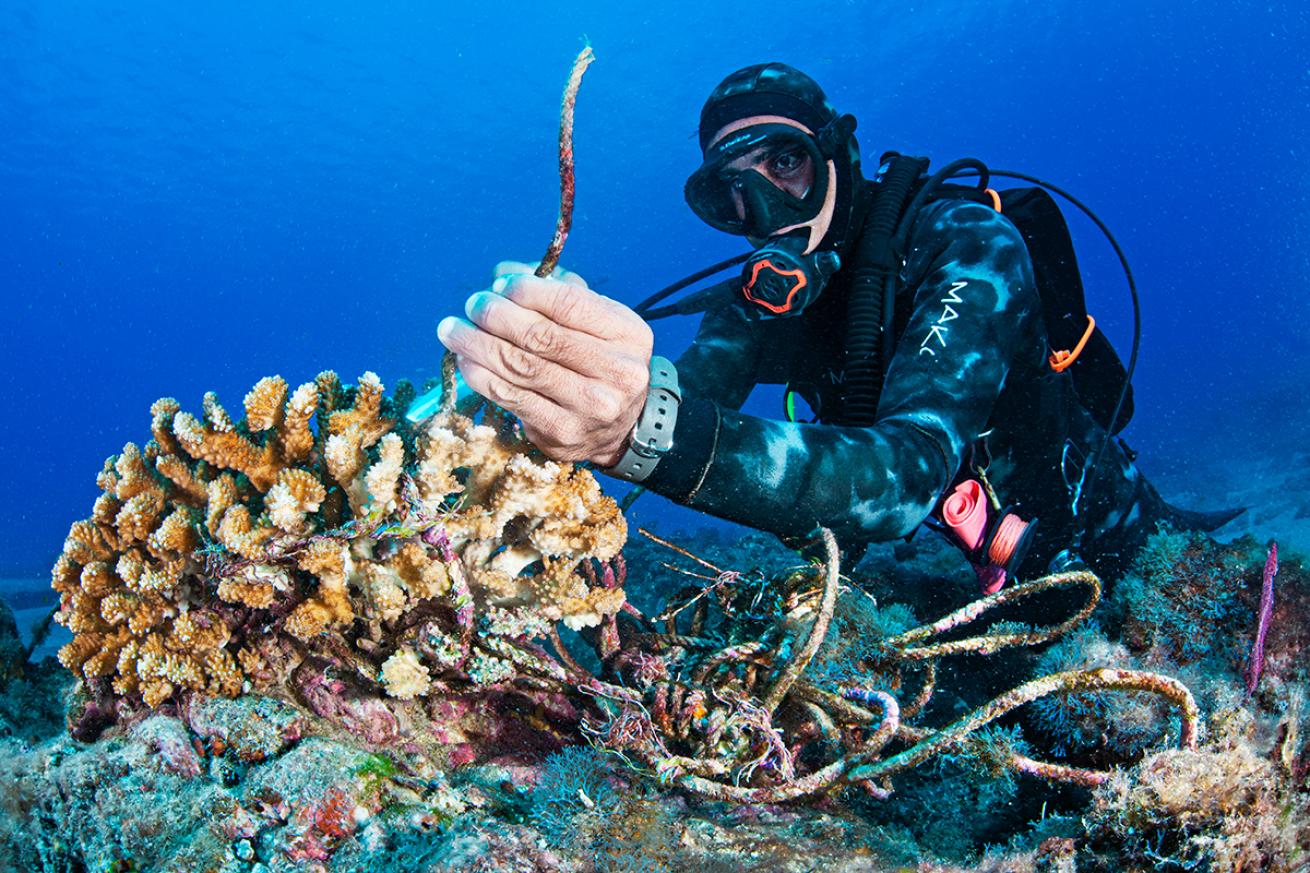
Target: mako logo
{"points": [[938, 332]]}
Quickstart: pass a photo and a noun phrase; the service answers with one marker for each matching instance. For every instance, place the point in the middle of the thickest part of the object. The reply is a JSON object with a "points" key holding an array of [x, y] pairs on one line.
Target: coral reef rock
{"points": [[230, 787]]}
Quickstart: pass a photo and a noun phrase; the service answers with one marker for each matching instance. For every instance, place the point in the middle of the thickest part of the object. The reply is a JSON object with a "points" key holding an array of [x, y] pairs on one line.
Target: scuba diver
{"points": [[936, 330]]}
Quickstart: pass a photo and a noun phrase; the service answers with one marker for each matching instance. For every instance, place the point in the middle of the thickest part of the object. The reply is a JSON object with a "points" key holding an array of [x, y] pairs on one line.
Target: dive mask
{"points": [[768, 209]]}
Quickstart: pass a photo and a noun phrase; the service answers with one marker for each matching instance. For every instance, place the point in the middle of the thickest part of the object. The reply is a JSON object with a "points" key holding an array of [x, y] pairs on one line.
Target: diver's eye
{"points": [[787, 164]]}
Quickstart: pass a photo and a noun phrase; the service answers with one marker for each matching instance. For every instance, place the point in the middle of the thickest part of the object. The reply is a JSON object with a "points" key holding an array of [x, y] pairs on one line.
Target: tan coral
{"points": [[344, 457], [139, 515], [330, 393], [105, 509], [330, 605], [199, 634], [80, 613], [259, 595], [240, 534], [330, 608], [105, 659], [296, 494], [221, 495], [74, 654], [227, 449], [382, 481], [127, 681], [590, 608], [160, 578], [155, 663], [264, 403], [297, 436], [133, 476], [298, 522], [442, 453], [255, 666], [98, 580], [254, 585], [215, 415], [85, 543], [117, 608], [385, 591], [66, 575], [156, 691], [107, 478], [161, 424], [323, 558], [364, 418], [308, 620], [147, 613], [174, 537], [581, 520], [225, 678], [424, 575], [187, 487]]}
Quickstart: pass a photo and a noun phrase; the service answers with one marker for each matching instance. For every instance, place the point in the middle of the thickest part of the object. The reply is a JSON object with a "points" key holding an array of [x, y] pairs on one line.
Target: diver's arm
{"points": [[720, 364], [975, 312]]}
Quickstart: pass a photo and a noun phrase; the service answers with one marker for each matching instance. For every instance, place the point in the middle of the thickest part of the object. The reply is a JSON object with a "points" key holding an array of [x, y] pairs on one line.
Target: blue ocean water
{"points": [[198, 195]]}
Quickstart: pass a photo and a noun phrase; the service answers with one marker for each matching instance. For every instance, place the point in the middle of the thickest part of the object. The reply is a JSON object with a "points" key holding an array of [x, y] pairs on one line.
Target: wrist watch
{"points": [[652, 435]]}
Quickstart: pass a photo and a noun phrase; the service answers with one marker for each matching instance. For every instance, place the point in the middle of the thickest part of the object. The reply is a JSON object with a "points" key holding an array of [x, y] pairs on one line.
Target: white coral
{"points": [[405, 676], [382, 479]]}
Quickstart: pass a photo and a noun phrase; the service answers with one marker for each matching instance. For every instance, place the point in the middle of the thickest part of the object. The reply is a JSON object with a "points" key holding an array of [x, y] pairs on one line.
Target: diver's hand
{"points": [[572, 365]]}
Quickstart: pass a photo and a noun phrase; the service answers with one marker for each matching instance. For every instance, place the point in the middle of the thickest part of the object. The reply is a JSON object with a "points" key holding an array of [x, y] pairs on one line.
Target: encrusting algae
{"points": [[321, 513]]}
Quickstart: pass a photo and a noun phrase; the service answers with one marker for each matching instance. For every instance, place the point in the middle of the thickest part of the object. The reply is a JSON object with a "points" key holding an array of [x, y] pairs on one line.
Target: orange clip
{"points": [[996, 198], [1060, 360]]}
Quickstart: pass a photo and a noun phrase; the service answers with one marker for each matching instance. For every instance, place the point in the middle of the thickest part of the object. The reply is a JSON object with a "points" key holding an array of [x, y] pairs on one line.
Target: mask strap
{"points": [[835, 134]]}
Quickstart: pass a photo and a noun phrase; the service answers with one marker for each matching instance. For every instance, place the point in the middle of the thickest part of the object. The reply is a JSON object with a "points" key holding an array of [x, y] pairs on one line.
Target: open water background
{"points": [[196, 195]]}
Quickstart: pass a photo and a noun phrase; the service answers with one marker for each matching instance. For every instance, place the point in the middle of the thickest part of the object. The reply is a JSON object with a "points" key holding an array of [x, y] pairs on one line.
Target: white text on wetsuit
{"points": [[938, 330]]}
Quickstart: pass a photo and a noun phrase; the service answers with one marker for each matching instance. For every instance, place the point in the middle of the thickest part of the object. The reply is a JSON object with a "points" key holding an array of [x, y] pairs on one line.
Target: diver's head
{"points": [[777, 158], [781, 168]]}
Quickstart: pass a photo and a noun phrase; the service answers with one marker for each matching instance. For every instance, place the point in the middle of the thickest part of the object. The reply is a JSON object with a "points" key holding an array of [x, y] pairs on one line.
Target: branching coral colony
{"points": [[216, 539]]}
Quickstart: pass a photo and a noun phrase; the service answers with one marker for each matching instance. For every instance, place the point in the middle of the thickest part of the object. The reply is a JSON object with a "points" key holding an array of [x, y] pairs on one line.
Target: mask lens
{"points": [[730, 193]]}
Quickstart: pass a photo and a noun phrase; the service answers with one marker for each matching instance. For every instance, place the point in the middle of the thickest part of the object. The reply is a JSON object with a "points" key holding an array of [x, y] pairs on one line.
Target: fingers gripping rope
{"points": [[566, 191]]}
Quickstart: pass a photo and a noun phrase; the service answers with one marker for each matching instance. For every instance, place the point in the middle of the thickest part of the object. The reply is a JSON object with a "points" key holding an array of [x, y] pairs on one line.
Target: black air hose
{"points": [[875, 263]]}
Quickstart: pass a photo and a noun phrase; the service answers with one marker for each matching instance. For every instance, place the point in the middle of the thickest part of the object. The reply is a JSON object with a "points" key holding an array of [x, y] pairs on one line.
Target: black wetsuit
{"points": [[968, 384]]}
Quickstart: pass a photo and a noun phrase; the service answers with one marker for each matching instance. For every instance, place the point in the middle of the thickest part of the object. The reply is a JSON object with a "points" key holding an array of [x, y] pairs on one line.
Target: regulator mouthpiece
{"points": [[781, 280]]}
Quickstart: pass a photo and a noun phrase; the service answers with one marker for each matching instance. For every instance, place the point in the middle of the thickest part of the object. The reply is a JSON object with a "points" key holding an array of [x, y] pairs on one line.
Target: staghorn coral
{"points": [[426, 563], [323, 519]]}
